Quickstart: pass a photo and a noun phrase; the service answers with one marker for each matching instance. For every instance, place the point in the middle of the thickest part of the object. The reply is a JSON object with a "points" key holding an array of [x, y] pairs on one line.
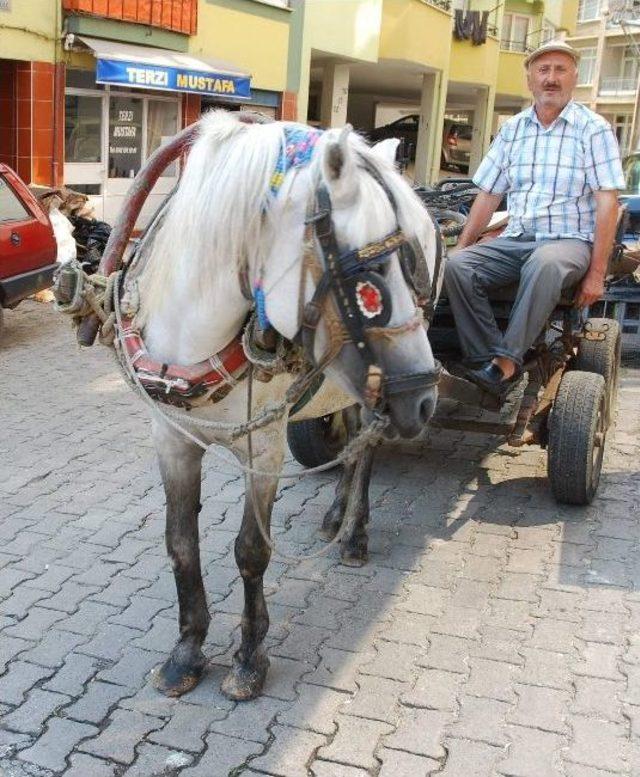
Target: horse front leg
{"points": [[354, 551], [180, 466], [248, 672], [335, 514]]}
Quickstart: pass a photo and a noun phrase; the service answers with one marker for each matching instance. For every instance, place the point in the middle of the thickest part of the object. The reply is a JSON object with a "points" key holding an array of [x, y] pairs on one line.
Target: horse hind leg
{"points": [[180, 466], [248, 672]]}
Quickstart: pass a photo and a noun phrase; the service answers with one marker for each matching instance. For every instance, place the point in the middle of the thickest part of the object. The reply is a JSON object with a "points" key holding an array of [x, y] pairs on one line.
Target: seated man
{"points": [[560, 164]]}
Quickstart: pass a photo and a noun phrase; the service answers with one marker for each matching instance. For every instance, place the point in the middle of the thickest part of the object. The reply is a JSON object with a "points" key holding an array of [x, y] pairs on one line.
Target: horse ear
{"points": [[386, 149], [336, 155]]}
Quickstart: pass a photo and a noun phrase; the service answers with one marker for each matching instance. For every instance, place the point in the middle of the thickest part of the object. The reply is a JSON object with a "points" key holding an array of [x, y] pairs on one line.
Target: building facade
{"points": [[609, 73]]}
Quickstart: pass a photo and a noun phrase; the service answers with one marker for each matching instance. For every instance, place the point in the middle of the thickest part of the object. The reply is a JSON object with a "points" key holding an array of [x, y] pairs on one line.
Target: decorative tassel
{"points": [[261, 305]]}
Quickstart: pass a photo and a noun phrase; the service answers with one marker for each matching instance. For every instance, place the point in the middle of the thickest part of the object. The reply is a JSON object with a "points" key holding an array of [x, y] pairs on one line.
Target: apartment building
{"points": [[609, 73]]}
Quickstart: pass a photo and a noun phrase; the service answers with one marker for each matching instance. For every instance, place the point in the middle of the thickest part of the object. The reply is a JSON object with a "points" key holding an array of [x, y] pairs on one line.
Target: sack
{"points": [[63, 232]]}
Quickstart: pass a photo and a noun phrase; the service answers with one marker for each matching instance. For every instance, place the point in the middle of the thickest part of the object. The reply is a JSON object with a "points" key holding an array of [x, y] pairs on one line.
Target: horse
{"points": [[312, 234]]}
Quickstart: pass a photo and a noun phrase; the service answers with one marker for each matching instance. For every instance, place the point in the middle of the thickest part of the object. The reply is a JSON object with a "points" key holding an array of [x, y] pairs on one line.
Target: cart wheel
{"points": [[577, 430], [317, 440], [603, 358], [1, 321]]}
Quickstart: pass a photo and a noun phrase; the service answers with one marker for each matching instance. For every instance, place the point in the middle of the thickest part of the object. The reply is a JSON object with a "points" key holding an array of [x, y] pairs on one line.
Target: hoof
{"points": [[244, 683], [350, 559], [328, 531], [175, 678]]}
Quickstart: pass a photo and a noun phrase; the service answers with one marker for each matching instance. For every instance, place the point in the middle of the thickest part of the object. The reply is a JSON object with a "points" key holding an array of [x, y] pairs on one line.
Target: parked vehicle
{"points": [[27, 244], [456, 139], [631, 195], [456, 145]]}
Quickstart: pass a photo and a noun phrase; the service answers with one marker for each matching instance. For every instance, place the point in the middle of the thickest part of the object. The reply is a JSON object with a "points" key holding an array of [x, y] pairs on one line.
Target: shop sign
{"points": [[125, 136], [146, 76]]}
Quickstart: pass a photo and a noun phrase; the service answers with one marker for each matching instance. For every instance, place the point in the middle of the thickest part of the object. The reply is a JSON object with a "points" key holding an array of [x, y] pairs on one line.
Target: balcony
{"points": [[617, 87], [174, 15], [518, 46]]}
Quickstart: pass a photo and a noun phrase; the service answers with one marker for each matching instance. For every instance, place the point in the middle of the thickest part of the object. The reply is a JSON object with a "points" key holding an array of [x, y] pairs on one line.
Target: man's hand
{"points": [[590, 290]]}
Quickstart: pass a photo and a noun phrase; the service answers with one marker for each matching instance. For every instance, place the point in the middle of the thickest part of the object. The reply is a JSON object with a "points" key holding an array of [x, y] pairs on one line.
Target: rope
{"points": [[369, 435]]}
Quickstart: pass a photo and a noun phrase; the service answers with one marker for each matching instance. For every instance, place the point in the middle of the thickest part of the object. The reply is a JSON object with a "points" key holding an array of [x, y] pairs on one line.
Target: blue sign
{"points": [[147, 76]]}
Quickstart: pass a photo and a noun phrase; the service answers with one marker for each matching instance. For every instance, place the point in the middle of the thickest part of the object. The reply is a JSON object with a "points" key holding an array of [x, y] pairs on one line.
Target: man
{"points": [[560, 164]]}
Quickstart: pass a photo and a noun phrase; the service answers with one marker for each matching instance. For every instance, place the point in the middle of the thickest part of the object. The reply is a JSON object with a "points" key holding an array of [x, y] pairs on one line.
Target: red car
{"points": [[27, 244]]}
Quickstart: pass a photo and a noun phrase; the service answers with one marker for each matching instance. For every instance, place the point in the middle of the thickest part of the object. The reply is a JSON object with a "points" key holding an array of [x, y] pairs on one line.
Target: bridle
{"points": [[361, 307]]}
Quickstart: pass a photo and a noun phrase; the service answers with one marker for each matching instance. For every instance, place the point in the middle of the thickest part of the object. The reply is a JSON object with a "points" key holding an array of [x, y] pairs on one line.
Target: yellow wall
{"points": [[511, 75], [474, 64], [30, 30], [349, 28], [249, 41], [415, 31]]}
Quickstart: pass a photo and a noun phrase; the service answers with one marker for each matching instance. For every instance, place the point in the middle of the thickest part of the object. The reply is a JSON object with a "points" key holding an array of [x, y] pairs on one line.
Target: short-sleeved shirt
{"points": [[551, 173]]}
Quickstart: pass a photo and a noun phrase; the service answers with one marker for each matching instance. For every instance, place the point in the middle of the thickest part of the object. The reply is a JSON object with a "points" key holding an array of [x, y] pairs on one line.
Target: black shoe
{"points": [[491, 379]]}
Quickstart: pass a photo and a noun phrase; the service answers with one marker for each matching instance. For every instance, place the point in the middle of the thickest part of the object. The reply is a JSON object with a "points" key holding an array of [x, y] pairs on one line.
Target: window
{"points": [[632, 174], [125, 136], [11, 209], [588, 10], [548, 32], [586, 65], [630, 61], [622, 129], [162, 125], [515, 32], [82, 128]]}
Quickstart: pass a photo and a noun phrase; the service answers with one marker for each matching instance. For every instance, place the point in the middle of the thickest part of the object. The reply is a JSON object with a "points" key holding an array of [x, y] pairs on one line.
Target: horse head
{"points": [[361, 218]]}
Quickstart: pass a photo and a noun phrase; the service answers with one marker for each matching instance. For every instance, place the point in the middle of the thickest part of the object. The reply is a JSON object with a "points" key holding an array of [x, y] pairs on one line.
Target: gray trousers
{"points": [[543, 269]]}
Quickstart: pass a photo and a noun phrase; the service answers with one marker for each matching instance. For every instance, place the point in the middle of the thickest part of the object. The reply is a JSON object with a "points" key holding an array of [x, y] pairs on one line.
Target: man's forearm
{"points": [[605, 230], [484, 206]]}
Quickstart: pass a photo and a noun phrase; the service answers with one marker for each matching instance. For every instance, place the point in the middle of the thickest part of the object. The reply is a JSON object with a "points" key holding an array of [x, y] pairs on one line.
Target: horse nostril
{"points": [[427, 406]]}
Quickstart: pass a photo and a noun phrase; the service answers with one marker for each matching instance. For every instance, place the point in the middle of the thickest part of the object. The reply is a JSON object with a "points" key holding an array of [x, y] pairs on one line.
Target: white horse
{"points": [[227, 221]]}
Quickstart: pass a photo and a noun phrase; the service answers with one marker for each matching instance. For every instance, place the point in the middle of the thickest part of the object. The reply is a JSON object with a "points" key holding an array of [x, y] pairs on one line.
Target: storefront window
{"points": [[83, 128], [162, 125], [125, 136]]}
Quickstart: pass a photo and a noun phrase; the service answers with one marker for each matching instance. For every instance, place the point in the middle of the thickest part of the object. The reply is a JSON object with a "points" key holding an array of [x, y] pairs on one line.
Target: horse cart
{"points": [[564, 402]]}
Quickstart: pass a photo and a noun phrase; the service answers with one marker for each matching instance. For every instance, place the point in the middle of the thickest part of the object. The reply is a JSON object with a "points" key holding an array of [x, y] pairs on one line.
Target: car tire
{"points": [[317, 441], [602, 357], [1, 322]]}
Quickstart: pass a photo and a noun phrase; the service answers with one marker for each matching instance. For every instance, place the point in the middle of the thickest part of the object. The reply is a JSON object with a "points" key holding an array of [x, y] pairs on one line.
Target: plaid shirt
{"points": [[551, 174]]}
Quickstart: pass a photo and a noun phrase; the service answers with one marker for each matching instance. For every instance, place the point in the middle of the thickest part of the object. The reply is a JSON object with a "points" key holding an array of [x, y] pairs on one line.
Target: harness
{"points": [[351, 298]]}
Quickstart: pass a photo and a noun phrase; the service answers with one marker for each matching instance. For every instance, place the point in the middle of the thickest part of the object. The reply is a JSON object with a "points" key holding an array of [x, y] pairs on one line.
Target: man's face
{"points": [[551, 79]]}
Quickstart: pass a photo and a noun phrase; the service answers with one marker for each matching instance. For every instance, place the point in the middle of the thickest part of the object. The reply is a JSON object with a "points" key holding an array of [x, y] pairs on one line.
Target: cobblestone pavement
{"points": [[492, 632]]}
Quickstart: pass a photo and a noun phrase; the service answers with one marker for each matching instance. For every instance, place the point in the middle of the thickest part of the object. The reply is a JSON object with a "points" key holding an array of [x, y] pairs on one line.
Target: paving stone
{"points": [[118, 740], [30, 716], [251, 721], [71, 678], [420, 731], [186, 729], [52, 650], [56, 744], [543, 708], [288, 752], [337, 669], [35, 625], [314, 709], [302, 643], [156, 760], [554, 635], [424, 599], [481, 720], [395, 763], [598, 660], [10, 647], [434, 689], [69, 597], [109, 641], [140, 612], [545, 668], [95, 703], [87, 766], [332, 769], [597, 697], [470, 759], [19, 679], [392, 660], [88, 618], [532, 753], [597, 743], [283, 676], [450, 654], [355, 742], [490, 679], [132, 669]]}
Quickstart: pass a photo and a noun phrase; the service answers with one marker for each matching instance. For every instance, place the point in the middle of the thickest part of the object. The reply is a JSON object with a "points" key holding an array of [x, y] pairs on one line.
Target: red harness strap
{"points": [[174, 383]]}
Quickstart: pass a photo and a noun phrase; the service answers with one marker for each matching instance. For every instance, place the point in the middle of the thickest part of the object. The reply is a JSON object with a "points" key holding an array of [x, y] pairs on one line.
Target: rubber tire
{"points": [[1, 321], [603, 358], [315, 442], [576, 417]]}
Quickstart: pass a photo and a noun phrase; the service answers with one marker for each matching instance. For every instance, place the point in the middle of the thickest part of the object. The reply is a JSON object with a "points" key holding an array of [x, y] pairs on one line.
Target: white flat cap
{"points": [[552, 45]]}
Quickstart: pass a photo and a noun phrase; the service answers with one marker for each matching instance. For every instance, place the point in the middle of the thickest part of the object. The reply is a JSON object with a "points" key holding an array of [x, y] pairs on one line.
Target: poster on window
{"points": [[125, 136]]}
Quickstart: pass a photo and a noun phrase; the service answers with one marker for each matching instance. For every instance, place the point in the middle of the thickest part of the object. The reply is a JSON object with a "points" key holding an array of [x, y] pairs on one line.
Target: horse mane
{"points": [[221, 208]]}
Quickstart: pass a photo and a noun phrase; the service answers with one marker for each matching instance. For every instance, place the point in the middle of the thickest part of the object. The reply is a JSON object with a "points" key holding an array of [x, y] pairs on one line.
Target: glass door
{"points": [[84, 168]]}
